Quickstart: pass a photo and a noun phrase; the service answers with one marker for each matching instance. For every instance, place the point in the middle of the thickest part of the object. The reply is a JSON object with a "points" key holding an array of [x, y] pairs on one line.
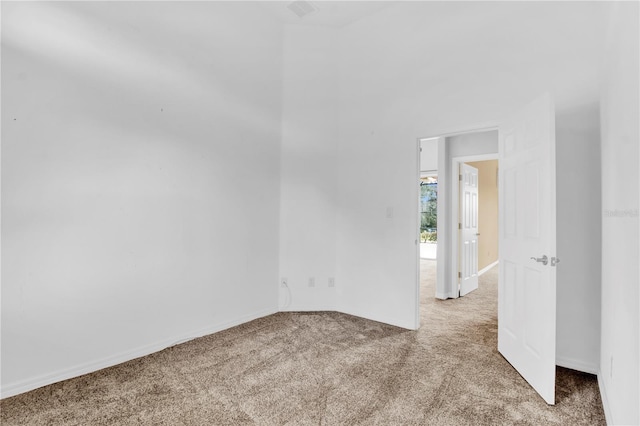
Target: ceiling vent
{"points": [[302, 8]]}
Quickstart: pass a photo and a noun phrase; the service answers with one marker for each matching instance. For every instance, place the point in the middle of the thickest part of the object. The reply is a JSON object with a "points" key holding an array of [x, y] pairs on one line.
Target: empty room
{"points": [[211, 213]]}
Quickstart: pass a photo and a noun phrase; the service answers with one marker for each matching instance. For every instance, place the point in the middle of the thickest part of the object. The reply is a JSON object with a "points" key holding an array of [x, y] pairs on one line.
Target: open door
{"points": [[527, 226], [468, 229]]}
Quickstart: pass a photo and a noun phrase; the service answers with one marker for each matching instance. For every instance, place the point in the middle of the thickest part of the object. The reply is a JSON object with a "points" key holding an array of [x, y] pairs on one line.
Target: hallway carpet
{"points": [[323, 369]]}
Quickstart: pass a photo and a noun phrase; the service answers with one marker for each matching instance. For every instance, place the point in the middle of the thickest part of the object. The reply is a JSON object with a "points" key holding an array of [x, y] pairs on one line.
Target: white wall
{"points": [[578, 238], [308, 182], [429, 155], [139, 179], [475, 143], [619, 355], [423, 69]]}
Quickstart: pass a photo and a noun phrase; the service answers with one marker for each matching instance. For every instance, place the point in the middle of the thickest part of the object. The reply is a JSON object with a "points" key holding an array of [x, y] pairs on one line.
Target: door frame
{"points": [[416, 209], [443, 252], [454, 265]]}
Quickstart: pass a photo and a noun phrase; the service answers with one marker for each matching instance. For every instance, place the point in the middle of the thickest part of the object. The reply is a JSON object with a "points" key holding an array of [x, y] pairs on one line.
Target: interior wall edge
{"points": [[605, 400], [444, 296]]}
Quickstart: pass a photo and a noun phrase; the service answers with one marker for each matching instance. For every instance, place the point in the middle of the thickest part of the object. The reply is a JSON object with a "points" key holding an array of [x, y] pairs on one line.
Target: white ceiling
{"points": [[335, 14]]}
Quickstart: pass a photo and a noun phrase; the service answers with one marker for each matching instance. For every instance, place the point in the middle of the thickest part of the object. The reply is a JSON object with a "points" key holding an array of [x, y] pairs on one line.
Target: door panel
{"points": [[531, 200], [527, 287], [469, 229]]}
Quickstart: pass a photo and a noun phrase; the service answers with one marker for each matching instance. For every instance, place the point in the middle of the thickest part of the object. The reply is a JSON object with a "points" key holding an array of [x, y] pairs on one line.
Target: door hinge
{"points": [[460, 178], [420, 149], [459, 274], [459, 226]]}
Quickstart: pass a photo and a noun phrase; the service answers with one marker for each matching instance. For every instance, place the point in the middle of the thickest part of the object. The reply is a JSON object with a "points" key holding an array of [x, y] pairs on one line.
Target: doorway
{"points": [[487, 213], [441, 157], [474, 224]]}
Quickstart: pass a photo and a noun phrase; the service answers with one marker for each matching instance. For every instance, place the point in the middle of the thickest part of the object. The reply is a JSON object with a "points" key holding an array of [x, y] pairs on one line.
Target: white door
{"points": [[527, 223], [468, 266]]}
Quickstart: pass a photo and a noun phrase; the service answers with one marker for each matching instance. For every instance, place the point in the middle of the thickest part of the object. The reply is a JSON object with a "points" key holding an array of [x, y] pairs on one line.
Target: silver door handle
{"points": [[544, 259]]}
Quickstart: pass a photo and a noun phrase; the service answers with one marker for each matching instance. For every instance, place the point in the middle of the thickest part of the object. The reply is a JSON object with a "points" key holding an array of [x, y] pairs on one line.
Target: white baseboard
{"points": [[445, 296], [308, 308], [306, 305], [605, 401], [30, 384], [390, 321], [577, 365], [486, 268]]}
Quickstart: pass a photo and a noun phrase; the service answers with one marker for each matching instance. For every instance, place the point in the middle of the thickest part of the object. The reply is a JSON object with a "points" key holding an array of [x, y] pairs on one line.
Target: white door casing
{"points": [[468, 220], [527, 224]]}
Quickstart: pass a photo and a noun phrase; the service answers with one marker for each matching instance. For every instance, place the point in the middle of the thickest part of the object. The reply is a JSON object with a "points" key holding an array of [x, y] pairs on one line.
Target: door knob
{"points": [[544, 259]]}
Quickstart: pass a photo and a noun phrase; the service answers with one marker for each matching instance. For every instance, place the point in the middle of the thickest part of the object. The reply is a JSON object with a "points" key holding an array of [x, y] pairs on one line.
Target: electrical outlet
{"points": [[389, 214], [332, 282], [312, 282], [284, 282]]}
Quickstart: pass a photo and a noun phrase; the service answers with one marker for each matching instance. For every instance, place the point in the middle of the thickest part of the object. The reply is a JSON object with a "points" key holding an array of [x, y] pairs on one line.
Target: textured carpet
{"points": [[323, 369]]}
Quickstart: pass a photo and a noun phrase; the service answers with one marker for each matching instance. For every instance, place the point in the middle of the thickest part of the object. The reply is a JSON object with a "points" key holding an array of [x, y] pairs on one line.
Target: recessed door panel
{"points": [[510, 203], [510, 297], [532, 201], [533, 294]]}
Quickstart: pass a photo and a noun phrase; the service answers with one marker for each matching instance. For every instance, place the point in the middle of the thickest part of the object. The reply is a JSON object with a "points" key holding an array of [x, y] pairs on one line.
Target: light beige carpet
{"points": [[323, 369]]}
